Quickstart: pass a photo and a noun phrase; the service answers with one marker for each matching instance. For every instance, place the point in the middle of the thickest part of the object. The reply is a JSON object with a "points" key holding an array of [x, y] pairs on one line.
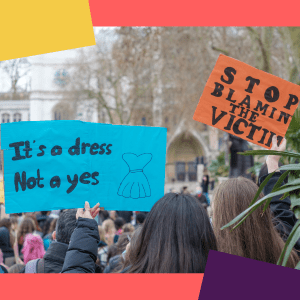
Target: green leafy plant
{"points": [[293, 133], [218, 168], [291, 189]]}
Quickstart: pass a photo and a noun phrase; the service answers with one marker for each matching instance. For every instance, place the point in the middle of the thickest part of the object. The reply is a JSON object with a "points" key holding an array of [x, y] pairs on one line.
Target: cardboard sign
{"points": [[53, 165], [247, 102]]}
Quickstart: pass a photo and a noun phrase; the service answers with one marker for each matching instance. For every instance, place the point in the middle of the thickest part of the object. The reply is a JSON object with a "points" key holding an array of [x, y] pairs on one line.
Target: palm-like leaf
{"points": [[291, 189]]}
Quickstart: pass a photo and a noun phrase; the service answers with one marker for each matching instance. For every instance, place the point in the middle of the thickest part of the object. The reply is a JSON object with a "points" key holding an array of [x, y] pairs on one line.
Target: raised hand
{"points": [[88, 213], [273, 160]]}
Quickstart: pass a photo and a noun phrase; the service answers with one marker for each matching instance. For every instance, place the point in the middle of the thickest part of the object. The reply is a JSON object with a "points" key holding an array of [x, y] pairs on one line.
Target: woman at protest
{"points": [[110, 231], [48, 229], [5, 239], [119, 223], [102, 248], [33, 248], [205, 187], [27, 226], [126, 263], [128, 227], [175, 238], [257, 238], [115, 262], [38, 229]]}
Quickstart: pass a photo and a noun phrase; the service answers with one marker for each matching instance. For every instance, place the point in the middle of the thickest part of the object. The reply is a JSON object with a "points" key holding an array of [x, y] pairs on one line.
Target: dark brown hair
{"points": [[257, 237], [5, 223], [26, 226], [53, 225], [175, 238], [33, 217], [133, 244]]}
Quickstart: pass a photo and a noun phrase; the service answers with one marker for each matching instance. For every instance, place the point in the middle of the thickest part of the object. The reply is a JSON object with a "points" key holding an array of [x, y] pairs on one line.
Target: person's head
{"points": [[185, 190], [46, 228], [119, 248], [14, 223], [5, 240], [101, 234], [128, 227], [140, 218], [15, 268], [199, 191], [45, 213], [175, 238], [109, 226], [26, 226], [111, 252], [257, 237], [133, 243], [65, 226], [113, 214], [33, 247], [122, 242], [119, 222], [5, 223], [104, 214], [33, 217]]}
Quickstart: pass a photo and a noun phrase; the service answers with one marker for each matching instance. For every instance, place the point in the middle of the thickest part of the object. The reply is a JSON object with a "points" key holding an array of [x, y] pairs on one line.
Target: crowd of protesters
{"points": [[174, 237]]}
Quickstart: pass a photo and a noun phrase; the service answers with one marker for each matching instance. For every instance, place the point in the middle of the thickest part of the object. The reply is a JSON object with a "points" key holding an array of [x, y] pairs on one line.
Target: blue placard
{"points": [[52, 165]]}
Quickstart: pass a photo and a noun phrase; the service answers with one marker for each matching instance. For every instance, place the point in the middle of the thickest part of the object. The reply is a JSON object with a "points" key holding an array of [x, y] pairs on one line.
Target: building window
{"points": [[144, 121], [5, 118], [57, 115], [17, 117], [166, 120]]}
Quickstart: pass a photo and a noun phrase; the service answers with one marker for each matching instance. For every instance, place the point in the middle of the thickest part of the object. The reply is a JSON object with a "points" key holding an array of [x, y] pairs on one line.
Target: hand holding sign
{"points": [[247, 102], [273, 160]]}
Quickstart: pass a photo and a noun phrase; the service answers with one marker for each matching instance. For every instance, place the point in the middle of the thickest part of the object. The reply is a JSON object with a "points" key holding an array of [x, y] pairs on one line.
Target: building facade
{"points": [[188, 144]]}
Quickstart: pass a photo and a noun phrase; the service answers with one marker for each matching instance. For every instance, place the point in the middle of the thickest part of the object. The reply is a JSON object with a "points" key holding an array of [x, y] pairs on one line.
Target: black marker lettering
{"points": [[56, 150], [41, 147], [108, 150], [94, 147], [17, 146], [83, 178], [102, 149], [55, 182], [19, 181], [221, 115], [94, 175], [27, 149], [73, 183]]}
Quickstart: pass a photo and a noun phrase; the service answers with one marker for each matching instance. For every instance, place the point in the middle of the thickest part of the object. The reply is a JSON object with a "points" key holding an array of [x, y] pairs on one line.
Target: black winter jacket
{"points": [[54, 258], [82, 252], [284, 218]]}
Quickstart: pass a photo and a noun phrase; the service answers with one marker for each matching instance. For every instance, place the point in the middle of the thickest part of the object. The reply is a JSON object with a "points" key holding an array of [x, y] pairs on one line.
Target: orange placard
{"points": [[246, 102]]}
